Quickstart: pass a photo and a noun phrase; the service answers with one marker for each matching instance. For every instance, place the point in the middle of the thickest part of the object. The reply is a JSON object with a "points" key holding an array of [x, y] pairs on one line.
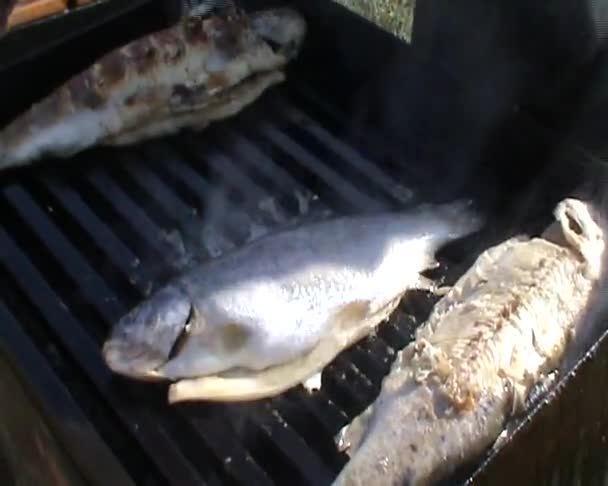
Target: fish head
{"points": [[283, 29], [168, 337], [582, 232], [146, 337]]}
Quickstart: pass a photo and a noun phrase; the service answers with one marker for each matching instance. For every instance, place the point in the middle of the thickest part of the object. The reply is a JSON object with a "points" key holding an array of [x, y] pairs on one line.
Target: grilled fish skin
{"points": [[273, 313], [504, 326], [199, 71]]}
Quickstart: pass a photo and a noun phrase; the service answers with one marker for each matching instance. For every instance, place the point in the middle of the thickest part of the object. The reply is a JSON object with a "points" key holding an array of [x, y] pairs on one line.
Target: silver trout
{"points": [[273, 313], [504, 326], [199, 71]]}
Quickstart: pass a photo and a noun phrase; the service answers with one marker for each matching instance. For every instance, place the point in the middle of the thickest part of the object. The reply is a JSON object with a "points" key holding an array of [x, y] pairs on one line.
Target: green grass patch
{"points": [[393, 15]]}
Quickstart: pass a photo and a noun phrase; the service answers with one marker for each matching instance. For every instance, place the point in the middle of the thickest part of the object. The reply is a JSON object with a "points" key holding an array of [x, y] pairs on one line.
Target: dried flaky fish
{"points": [[503, 326], [275, 312], [201, 70]]}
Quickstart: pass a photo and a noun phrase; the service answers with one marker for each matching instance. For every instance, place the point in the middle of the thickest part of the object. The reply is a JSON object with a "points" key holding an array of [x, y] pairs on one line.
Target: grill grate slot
{"points": [[222, 438], [93, 238], [314, 428], [311, 166], [135, 217], [145, 256], [303, 460], [310, 134], [94, 289]]}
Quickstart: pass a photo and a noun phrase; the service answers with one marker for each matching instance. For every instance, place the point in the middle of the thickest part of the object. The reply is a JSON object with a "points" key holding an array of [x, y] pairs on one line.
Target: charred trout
{"points": [[273, 313], [503, 326], [201, 70]]}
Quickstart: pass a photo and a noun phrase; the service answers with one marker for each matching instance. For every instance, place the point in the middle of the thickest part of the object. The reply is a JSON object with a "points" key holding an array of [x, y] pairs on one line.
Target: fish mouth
{"points": [[150, 335], [133, 361]]}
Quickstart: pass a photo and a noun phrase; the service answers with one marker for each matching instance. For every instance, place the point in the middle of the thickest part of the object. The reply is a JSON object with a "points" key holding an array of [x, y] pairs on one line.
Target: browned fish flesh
{"points": [[503, 327], [201, 70]]}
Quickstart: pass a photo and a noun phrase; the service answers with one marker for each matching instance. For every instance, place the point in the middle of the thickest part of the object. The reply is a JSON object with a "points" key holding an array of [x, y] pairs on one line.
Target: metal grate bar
{"points": [[145, 427], [134, 216], [110, 244], [352, 197], [350, 157], [248, 153], [94, 288], [251, 196], [222, 440], [206, 196], [295, 450], [65, 415]]}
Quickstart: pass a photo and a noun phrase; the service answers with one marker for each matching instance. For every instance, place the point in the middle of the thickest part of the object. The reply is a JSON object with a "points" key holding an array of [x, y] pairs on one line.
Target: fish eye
{"points": [[575, 226]]}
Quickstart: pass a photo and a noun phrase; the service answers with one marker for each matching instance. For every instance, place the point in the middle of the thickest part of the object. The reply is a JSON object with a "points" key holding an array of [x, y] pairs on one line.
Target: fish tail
{"points": [[432, 436]]}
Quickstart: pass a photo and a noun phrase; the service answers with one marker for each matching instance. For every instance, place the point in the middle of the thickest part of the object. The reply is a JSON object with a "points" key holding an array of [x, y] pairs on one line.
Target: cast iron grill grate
{"points": [[79, 247]]}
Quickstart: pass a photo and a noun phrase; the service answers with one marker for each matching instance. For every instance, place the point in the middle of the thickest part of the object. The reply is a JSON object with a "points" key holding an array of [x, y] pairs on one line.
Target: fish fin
{"points": [[349, 324], [248, 385], [313, 383]]}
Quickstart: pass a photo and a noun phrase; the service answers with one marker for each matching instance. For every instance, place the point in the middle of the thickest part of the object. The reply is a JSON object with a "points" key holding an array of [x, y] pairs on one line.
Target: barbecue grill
{"points": [[82, 241]]}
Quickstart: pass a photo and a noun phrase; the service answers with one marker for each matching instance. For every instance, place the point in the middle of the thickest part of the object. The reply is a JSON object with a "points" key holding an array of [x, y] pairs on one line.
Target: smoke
{"points": [[473, 106]]}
